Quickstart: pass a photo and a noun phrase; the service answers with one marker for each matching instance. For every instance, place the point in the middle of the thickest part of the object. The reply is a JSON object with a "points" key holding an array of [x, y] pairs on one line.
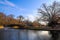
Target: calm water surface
{"points": [[17, 34]]}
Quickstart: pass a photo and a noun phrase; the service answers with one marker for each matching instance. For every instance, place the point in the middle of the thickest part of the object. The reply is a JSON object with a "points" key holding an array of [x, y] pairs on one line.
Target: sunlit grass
{"points": [[15, 27], [1, 27]]}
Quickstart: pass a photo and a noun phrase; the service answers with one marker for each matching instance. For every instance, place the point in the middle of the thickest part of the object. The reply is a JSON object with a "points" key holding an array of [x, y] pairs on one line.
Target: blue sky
{"points": [[27, 8]]}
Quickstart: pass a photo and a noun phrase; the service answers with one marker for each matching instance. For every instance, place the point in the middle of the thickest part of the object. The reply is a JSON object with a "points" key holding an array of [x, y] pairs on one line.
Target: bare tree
{"points": [[20, 18], [50, 13]]}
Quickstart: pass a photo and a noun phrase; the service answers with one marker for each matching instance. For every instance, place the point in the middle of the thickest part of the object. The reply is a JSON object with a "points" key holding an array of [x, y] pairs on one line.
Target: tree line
{"points": [[49, 13], [9, 19]]}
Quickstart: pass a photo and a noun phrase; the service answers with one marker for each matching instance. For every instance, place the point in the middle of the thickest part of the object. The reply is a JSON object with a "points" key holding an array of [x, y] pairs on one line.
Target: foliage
{"points": [[10, 20]]}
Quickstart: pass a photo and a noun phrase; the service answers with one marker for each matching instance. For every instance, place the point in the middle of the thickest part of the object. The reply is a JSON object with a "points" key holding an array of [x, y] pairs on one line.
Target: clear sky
{"points": [[27, 8]]}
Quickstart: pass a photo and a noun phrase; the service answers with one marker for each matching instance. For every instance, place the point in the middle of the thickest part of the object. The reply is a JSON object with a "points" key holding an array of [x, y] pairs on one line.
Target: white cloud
{"points": [[57, 0], [11, 5], [32, 16], [43, 23], [6, 2]]}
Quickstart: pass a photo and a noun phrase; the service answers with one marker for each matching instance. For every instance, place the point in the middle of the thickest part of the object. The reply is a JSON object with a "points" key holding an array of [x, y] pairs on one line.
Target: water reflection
{"points": [[34, 35], [39, 35], [13, 34]]}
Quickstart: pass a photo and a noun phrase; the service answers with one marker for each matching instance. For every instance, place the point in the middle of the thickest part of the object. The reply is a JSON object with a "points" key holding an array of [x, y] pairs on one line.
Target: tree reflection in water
{"points": [[39, 35], [55, 35], [14, 34]]}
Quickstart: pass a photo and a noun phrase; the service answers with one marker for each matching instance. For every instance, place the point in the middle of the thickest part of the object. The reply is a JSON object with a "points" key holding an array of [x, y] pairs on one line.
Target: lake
{"points": [[22, 34]]}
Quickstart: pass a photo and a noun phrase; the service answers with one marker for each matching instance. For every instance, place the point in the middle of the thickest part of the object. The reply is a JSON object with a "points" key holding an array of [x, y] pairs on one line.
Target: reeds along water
{"points": [[17, 34]]}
